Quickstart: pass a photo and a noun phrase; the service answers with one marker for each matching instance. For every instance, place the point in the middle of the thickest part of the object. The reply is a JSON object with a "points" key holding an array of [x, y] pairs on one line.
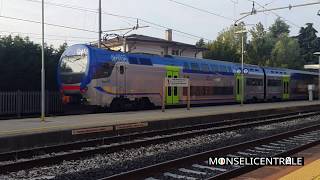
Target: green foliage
{"points": [[272, 47], [200, 43], [260, 46], [227, 46], [286, 53], [278, 28], [20, 62], [309, 43]]}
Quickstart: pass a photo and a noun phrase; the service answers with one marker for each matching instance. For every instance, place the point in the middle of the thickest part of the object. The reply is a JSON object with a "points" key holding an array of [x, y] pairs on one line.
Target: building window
{"points": [[175, 52]]}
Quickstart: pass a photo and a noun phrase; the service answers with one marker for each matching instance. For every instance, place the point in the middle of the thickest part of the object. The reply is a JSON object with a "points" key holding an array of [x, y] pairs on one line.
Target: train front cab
{"points": [[72, 71]]}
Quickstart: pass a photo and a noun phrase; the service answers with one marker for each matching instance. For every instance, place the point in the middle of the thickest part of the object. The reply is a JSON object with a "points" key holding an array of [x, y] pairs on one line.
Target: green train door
{"points": [[285, 85], [172, 92], [238, 87]]}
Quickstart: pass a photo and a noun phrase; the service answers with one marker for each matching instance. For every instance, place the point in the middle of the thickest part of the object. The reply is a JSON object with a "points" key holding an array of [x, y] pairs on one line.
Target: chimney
{"points": [[169, 34]]}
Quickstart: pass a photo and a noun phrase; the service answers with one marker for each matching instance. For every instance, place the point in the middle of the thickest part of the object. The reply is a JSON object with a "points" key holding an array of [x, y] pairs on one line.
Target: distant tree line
{"points": [[273, 47], [20, 64]]}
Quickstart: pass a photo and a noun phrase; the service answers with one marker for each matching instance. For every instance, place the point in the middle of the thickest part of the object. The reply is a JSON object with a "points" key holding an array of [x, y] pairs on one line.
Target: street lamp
{"points": [[318, 54], [242, 32]]}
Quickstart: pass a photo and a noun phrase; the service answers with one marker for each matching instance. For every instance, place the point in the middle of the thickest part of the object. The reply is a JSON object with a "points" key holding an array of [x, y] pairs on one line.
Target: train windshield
{"points": [[72, 68]]}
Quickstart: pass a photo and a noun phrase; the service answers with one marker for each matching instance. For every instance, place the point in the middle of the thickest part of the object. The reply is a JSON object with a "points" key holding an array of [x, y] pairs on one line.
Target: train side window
{"points": [[186, 66], [229, 69], [104, 70], [254, 82], [133, 60], [222, 68], [205, 67], [195, 66], [214, 68], [145, 61], [121, 69]]}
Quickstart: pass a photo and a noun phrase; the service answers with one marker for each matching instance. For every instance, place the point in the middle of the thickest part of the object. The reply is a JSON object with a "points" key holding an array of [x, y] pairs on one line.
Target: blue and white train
{"points": [[115, 79]]}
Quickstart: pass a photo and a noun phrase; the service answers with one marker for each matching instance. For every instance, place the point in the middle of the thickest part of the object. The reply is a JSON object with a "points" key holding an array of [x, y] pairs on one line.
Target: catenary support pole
{"points": [[42, 68], [100, 30]]}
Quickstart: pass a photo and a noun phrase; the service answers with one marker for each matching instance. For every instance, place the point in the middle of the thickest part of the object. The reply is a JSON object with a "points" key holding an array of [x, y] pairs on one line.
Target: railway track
{"points": [[19, 160], [196, 166]]}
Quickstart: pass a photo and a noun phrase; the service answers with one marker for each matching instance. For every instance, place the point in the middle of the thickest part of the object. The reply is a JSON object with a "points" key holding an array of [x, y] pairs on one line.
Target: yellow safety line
{"points": [[308, 172]]}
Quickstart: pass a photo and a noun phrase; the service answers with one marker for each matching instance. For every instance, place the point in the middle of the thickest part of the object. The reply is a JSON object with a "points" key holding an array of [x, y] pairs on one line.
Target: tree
{"points": [[309, 43], [286, 53], [200, 43], [260, 46], [227, 46], [20, 64], [278, 28]]}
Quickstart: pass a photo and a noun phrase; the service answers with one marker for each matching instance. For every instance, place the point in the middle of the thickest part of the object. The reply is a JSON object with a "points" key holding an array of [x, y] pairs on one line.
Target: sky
{"points": [[164, 13]]}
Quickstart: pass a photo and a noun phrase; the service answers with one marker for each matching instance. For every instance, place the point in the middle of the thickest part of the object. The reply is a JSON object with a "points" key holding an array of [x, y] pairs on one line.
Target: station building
{"points": [[136, 43]]}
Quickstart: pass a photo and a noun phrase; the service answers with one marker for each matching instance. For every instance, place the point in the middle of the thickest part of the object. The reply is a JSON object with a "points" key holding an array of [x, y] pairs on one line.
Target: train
{"points": [[117, 80]]}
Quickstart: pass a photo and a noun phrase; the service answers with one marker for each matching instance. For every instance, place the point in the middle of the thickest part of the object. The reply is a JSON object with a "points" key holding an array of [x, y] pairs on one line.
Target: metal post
{"points": [[163, 95], [188, 105], [242, 73], [319, 80], [100, 30], [42, 69]]}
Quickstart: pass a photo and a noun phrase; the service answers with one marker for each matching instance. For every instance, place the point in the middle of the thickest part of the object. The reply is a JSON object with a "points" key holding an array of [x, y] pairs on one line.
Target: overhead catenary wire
{"points": [[79, 8], [202, 10], [48, 35], [285, 7], [48, 24], [276, 14]]}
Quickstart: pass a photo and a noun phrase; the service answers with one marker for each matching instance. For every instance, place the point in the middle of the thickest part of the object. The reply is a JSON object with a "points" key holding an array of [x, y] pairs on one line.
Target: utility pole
{"points": [[242, 32], [318, 54], [100, 30], [42, 69]]}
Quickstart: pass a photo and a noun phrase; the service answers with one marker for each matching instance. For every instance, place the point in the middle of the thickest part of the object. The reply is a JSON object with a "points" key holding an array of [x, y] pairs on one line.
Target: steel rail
{"points": [[183, 133], [159, 168]]}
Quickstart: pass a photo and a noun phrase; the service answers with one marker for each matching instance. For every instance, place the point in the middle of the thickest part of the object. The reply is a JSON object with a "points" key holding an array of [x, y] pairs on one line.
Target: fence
{"points": [[20, 103]]}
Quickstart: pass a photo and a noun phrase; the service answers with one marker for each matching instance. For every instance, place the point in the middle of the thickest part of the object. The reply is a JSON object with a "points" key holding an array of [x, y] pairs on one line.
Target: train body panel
{"points": [[106, 78]]}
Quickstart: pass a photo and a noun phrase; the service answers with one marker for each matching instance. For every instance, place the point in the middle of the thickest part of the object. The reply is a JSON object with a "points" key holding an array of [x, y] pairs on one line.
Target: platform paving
{"points": [[34, 125]]}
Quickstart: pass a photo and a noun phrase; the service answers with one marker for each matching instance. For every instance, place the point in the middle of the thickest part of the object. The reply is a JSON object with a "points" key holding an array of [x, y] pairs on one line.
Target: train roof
{"points": [[179, 61]]}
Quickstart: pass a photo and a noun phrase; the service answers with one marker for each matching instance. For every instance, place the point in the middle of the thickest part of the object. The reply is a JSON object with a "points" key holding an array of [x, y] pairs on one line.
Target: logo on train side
{"points": [[118, 58], [82, 52]]}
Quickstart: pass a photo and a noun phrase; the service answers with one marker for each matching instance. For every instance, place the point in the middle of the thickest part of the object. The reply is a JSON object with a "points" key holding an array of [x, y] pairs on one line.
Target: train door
{"points": [[285, 85], [238, 87], [121, 79], [172, 96]]}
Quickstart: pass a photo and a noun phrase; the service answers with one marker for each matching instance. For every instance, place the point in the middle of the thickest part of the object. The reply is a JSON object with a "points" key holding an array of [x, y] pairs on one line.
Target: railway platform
{"points": [[16, 134], [310, 171]]}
